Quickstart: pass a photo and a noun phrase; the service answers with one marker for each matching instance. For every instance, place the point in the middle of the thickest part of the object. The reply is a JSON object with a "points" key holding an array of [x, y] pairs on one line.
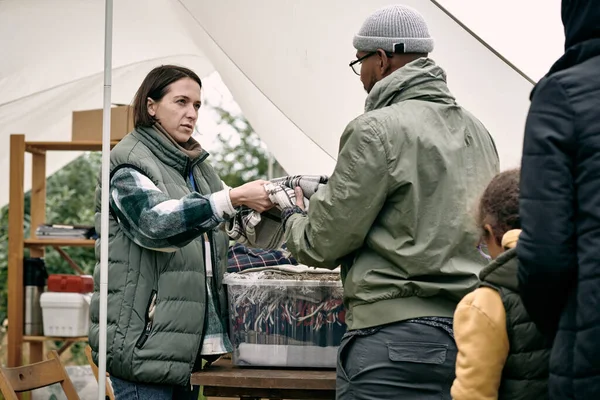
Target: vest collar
{"points": [[181, 158], [502, 271]]}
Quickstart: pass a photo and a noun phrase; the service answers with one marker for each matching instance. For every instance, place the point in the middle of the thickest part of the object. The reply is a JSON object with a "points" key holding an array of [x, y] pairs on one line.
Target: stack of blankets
{"points": [[241, 258]]}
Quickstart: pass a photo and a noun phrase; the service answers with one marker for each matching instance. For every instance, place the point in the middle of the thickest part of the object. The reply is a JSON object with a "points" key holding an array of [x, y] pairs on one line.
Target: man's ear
{"points": [[151, 106], [384, 62]]}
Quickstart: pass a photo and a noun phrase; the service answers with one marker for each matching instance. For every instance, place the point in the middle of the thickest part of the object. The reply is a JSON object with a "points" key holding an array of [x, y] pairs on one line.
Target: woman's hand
{"points": [[252, 195]]}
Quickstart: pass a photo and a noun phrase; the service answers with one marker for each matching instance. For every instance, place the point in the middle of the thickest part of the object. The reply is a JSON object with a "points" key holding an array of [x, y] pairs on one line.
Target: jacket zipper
{"points": [[213, 281], [148, 323], [205, 318]]}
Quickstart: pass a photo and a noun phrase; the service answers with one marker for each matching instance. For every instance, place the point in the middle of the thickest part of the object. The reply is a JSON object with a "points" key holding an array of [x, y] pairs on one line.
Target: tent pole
{"points": [[108, 31]]}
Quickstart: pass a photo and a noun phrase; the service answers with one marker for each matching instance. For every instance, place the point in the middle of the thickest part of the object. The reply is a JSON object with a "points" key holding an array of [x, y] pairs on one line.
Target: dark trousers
{"points": [[404, 360]]}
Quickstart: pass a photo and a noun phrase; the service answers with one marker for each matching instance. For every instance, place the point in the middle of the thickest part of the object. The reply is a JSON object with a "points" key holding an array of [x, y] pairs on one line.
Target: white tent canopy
{"points": [[528, 34], [52, 64], [284, 61], [296, 54]]}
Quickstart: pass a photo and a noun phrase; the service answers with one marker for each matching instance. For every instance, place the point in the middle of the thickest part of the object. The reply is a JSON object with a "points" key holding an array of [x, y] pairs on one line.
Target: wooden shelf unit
{"points": [[17, 241]]}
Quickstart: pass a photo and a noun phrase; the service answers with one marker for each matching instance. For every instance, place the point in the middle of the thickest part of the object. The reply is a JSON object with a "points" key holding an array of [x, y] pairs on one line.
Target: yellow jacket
{"points": [[482, 340]]}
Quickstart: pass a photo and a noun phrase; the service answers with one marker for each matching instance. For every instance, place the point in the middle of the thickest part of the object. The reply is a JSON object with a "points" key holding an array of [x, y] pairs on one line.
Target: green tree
{"points": [[242, 156]]}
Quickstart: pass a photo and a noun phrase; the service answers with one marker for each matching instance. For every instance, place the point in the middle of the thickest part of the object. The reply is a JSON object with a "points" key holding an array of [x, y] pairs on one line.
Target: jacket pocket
{"points": [[149, 320], [418, 352]]}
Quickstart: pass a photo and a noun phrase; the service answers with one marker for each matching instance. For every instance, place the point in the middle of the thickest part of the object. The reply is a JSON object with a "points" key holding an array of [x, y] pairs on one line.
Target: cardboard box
{"points": [[87, 125]]}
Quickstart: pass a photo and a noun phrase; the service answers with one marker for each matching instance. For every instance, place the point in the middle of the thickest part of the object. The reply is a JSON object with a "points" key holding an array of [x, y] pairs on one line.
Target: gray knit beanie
{"points": [[397, 29]]}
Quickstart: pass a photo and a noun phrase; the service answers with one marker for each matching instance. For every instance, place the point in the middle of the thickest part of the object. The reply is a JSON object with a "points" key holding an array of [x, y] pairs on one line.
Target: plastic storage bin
{"points": [[285, 319], [65, 314]]}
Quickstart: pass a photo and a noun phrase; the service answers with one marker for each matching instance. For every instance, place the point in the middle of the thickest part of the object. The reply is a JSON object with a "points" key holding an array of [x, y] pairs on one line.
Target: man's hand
{"points": [[299, 197]]}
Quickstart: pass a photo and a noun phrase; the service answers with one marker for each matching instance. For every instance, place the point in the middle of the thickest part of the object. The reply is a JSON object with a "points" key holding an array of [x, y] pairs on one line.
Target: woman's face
{"points": [[177, 111]]}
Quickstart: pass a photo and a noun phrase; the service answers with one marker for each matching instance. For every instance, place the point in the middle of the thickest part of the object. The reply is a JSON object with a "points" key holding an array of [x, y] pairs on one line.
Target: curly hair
{"points": [[499, 204]]}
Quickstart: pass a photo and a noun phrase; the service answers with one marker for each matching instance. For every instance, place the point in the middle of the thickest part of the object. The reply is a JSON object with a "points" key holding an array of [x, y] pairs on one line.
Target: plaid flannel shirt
{"points": [[155, 221]]}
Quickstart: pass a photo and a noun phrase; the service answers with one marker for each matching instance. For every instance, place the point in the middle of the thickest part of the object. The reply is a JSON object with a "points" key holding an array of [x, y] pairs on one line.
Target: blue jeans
{"points": [[125, 390]]}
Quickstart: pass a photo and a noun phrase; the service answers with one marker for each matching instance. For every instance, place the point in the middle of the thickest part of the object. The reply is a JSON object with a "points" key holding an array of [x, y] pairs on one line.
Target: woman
{"points": [[166, 309], [501, 354]]}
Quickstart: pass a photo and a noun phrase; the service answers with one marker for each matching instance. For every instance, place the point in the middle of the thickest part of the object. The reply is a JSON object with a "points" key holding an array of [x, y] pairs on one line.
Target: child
{"points": [[501, 354]]}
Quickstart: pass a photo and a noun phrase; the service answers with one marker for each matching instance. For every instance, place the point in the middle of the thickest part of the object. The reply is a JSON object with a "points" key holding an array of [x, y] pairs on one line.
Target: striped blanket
{"points": [[265, 230]]}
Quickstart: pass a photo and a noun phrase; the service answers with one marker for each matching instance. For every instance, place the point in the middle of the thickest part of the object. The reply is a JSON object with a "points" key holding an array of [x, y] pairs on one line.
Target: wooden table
{"points": [[226, 380]]}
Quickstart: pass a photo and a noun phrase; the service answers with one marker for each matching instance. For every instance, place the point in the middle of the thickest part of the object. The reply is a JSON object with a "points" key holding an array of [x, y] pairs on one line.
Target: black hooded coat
{"points": [[559, 248]]}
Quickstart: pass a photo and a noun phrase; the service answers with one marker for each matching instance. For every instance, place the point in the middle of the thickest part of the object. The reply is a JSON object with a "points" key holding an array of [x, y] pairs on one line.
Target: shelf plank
{"points": [[60, 242], [37, 147], [57, 339]]}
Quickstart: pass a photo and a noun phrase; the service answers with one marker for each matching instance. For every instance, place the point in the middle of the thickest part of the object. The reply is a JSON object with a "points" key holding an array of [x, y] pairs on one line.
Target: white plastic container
{"points": [[282, 318], [65, 314]]}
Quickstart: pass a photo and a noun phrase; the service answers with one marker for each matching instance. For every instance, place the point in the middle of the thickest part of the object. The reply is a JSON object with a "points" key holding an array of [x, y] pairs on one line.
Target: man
{"points": [[559, 271], [397, 215]]}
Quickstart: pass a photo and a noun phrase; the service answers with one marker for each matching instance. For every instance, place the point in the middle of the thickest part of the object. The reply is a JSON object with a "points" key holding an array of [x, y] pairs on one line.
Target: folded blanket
{"points": [[265, 230], [242, 258]]}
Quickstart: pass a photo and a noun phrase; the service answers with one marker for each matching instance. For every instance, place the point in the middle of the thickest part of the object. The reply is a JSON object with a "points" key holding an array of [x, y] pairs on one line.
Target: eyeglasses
{"points": [[483, 250], [356, 64]]}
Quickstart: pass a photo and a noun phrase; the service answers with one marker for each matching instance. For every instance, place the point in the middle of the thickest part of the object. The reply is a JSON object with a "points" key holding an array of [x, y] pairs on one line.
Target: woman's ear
{"points": [[151, 106]]}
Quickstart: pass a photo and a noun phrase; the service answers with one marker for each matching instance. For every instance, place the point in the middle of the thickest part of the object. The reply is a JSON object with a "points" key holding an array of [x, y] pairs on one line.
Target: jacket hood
{"points": [[421, 79], [502, 271], [581, 19]]}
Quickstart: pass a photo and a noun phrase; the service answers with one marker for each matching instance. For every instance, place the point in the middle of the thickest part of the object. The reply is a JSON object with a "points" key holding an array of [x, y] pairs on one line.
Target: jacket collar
{"points": [[577, 54], [169, 152], [502, 271], [421, 79]]}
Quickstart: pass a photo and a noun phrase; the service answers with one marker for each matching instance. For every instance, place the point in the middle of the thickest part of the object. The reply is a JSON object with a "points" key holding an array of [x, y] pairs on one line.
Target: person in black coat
{"points": [[559, 248]]}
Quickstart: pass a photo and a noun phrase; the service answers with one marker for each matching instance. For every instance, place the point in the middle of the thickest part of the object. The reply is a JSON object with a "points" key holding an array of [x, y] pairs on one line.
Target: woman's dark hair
{"points": [[155, 86], [499, 204]]}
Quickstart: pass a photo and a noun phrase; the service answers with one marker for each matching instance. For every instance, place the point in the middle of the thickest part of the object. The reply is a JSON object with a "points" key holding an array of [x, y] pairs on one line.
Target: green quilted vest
{"points": [[168, 352]]}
